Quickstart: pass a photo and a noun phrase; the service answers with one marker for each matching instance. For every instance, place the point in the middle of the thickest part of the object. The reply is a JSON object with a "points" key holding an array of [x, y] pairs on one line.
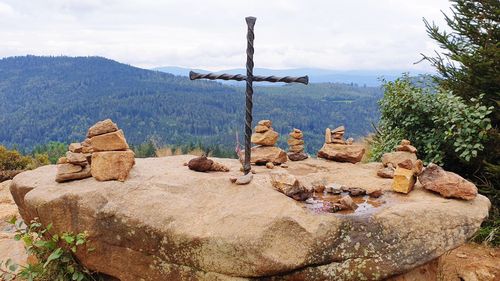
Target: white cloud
{"points": [[358, 34]]}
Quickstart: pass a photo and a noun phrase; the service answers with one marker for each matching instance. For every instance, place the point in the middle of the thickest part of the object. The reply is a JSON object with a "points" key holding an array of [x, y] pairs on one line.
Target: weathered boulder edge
{"points": [[161, 226]]}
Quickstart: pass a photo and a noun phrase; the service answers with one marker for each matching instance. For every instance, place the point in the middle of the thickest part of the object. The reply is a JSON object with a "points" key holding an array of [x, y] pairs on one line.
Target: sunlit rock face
{"points": [[166, 222]]}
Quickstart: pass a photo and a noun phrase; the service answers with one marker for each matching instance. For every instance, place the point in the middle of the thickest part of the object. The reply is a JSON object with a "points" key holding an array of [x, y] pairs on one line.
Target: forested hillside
{"points": [[46, 99]]}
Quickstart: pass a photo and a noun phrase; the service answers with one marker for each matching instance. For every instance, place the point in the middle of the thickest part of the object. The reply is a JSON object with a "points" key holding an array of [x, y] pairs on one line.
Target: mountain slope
{"points": [[56, 98]]}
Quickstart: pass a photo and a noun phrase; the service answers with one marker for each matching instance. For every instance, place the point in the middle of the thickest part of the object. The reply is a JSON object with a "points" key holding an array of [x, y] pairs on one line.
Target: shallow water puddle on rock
{"points": [[365, 203]]}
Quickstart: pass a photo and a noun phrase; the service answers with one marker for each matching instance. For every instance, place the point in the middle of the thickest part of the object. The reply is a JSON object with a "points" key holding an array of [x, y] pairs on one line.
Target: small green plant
{"points": [[54, 255]]}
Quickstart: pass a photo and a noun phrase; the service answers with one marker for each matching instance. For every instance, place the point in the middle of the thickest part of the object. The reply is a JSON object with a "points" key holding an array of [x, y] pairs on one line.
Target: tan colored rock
{"points": [[296, 135], [289, 185], [296, 148], [109, 142], [102, 127], [338, 136], [199, 216], [68, 172], [338, 141], [62, 160], [386, 172], [340, 129], [418, 167], [267, 123], [270, 165], [219, 167], [408, 147], [394, 158], [294, 141], [448, 184], [405, 142], [245, 179], [342, 153], [112, 165], [407, 164], [375, 193], [87, 149], [328, 135], [347, 203], [263, 154], [76, 158], [297, 156], [261, 129], [403, 180], [200, 164], [268, 138], [75, 147]]}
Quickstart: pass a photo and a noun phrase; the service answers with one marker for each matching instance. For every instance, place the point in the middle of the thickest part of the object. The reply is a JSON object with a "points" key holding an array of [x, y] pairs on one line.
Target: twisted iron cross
{"points": [[249, 78]]}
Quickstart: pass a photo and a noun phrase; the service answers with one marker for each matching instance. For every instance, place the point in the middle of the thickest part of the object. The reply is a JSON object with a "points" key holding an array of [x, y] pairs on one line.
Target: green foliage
{"points": [[440, 125], [145, 149], [46, 99], [13, 160], [54, 150], [469, 66], [55, 260]]}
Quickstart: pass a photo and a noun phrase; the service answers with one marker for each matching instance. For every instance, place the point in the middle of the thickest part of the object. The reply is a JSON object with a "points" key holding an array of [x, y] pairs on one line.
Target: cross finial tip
{"points": [[251, 20]]}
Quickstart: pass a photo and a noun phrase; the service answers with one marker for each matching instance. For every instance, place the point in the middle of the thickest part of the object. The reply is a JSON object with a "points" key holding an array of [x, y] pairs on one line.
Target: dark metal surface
{"points": [[256, 78], [249, 93], [249, 78]]}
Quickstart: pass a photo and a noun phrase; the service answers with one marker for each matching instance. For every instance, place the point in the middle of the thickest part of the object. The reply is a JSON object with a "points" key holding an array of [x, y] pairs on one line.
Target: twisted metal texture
{"points": [[249, 93], [256, 78], [249, 78]]}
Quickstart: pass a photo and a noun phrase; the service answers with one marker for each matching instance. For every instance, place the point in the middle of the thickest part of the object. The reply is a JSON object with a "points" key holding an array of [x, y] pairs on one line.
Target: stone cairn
{"points": [[402, 166], [265, 151], [104, 155], [338, 149], [296, 146]]}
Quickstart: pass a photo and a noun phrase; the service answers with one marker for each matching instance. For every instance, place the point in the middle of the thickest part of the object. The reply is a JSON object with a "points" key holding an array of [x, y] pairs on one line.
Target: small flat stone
{"points": [[109, 142], [75, 147], [267, 123], [76, 158], [102, 127], [245, 179], [261, 129]]}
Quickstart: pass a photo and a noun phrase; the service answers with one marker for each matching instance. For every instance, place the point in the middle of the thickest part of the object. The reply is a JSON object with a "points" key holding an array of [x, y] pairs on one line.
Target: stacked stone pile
{"points": [[296, 146], [105, 155], [265, 151], [404, 151], [338, 149]]}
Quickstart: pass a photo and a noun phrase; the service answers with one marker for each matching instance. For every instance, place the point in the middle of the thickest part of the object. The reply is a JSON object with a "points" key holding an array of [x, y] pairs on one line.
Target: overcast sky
{"points": [[330, 34]]}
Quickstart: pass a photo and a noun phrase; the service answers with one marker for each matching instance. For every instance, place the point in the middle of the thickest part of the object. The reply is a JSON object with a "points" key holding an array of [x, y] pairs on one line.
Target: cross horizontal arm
{"points": [[238, 77]]}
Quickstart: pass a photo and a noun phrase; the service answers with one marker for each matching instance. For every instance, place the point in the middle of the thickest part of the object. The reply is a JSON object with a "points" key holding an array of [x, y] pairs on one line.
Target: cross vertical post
{"points": [[249, 78], [249, 93]]}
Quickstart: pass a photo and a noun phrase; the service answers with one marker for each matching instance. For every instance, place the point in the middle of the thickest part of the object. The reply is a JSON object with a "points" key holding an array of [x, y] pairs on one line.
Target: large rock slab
{"points": [[342, 153], [167, 222]]}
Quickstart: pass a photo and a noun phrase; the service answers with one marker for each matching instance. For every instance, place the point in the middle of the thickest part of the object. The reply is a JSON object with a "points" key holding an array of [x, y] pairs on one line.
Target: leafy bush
{"points": [[54, 255], [13, 160], [54, 150], [439, 124]]}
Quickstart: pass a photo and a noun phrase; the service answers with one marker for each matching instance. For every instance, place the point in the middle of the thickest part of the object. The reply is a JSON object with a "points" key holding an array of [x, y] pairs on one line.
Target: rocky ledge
{"points": [[167, 222]]}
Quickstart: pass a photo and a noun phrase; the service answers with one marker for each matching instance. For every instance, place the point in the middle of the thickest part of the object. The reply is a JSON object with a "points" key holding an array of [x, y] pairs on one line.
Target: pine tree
{"points": [[469, 65]]}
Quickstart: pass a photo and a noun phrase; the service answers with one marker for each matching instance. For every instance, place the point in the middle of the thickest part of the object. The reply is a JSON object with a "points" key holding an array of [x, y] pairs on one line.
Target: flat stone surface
{"points": [[167, 222]]}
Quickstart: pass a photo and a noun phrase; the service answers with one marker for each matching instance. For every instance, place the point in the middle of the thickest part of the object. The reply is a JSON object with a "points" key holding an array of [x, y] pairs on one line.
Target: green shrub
{"points": [[54, 253], [54, 150], [439, 124]]}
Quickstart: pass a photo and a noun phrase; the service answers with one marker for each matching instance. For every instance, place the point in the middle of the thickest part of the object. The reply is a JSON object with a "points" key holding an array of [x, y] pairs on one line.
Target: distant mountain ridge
{"points": [[46, 99], [371, 78]]}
